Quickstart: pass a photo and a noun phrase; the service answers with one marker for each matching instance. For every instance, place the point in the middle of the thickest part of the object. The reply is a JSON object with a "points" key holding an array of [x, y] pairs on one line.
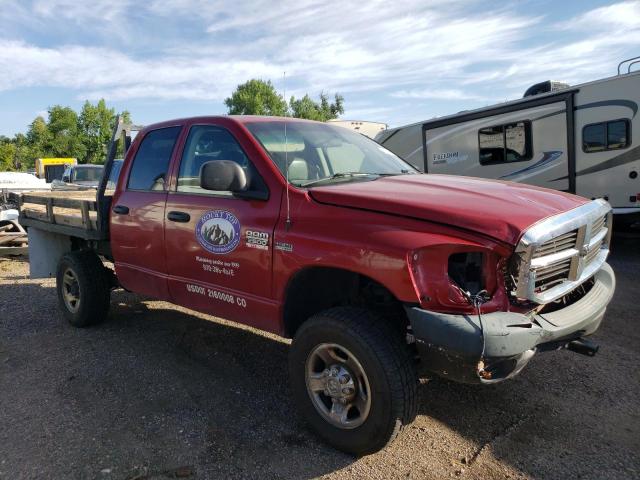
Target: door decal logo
{"points": [[218, 232]]}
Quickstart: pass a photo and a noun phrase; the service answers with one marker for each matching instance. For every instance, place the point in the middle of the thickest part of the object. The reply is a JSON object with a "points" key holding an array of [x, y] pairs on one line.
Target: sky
{"points": [[395, 62]]}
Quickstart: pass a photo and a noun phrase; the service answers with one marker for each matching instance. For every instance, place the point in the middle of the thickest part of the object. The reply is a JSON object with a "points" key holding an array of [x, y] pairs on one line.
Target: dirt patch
{"points": [[162, 392]]}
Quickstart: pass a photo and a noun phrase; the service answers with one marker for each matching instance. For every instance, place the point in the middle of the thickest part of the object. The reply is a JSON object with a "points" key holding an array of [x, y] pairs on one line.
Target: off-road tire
{"points": [[93, 285], [387, 362]]}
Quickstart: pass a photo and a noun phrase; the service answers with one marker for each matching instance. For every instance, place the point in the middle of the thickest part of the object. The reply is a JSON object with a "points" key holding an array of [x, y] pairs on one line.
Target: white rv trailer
{"points": [[369, 129], [576, 139]]}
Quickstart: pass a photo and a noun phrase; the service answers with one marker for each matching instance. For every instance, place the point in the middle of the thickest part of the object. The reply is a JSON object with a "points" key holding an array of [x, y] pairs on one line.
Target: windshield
{"points": [[318, 153], [90, 174]]}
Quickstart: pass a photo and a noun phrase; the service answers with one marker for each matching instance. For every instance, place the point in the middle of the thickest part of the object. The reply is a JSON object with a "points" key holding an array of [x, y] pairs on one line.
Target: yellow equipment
{"points": [[52, 168]]}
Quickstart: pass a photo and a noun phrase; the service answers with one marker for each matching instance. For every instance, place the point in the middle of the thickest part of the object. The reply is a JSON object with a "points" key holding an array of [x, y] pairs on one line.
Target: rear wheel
{"points": [[353, 379], [84, 292]]}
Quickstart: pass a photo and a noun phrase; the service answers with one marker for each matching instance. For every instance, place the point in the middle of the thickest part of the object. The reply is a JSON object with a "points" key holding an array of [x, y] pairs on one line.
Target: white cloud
{"points": [[410, 50], [98, 72], [619, 15], [438, 94]]}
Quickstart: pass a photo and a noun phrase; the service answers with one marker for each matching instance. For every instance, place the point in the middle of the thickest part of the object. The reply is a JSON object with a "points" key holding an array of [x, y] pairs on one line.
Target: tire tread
{"points": [[380, 337]]}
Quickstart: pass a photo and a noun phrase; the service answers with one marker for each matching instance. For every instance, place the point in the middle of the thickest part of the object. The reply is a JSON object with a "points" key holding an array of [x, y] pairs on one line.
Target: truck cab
{"points": [[377, 272], [79, 177]]}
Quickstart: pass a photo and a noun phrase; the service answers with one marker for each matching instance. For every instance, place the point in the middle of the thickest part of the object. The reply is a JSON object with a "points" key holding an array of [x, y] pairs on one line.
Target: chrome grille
{"points": [[558, 244], [559, 253], [598, 225], [552, 274]]}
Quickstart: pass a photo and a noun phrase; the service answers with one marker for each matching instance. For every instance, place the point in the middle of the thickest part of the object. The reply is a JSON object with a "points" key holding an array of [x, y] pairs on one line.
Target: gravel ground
{"points": [[161, 392]]}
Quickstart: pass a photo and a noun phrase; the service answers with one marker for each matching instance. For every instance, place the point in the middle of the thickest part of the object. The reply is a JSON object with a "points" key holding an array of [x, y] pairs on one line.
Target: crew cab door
{"points": [[218, 245], [137, 214]]}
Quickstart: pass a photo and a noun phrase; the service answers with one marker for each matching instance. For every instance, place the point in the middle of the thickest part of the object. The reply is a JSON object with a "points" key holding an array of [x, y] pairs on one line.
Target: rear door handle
{"points": [[179, 217], [121, 210]]}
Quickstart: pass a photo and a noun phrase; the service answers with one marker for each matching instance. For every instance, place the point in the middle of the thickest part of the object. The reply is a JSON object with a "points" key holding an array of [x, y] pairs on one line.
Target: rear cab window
{"points": [[151, 163]]}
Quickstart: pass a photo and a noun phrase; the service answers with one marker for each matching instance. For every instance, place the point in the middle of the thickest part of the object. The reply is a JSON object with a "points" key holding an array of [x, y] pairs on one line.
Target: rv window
{"points": [[593, 138], [617, 134], [612, 135], [505, 143]]}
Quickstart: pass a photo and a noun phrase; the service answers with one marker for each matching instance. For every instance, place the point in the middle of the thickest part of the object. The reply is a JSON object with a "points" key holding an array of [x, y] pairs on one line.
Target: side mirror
{"points": [[223, 176]]}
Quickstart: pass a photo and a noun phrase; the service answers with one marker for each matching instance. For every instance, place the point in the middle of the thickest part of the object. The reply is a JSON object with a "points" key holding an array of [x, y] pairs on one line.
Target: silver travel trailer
{"points": [[577, 139]]}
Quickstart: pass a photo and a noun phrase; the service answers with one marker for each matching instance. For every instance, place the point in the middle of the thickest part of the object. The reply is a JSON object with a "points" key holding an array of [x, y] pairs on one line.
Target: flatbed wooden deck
{"points": [[67, 212]]}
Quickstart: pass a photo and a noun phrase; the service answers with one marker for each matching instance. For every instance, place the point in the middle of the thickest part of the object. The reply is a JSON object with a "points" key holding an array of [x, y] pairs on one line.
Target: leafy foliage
{"points": [[256, 97], [259, 97], [84, 136], [322, 111], [94, 130]]}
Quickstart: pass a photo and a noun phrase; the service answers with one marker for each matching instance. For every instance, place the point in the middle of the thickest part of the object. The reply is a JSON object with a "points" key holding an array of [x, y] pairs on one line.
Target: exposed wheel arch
{"points": [[314, 289]]}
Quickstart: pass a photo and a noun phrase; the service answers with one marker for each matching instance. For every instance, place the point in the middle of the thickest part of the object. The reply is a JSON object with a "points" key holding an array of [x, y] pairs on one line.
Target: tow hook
{"points": [[583, 347]]}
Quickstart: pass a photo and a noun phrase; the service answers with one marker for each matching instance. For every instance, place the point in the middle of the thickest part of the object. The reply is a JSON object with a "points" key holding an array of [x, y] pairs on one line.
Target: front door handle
{"points": [[179, 217], [121, 210]]}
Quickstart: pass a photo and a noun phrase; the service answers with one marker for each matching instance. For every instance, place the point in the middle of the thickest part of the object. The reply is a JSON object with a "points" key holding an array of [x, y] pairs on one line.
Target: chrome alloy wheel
{"points": [[338, 386], [71, 290]]}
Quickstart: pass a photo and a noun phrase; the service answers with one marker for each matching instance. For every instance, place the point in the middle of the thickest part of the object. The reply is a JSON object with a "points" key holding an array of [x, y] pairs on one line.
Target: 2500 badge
{"points": [[218, 232]]}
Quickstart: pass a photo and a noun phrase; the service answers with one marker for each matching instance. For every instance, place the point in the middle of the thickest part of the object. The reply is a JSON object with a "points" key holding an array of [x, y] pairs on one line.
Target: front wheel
{"points": [[83, 288], [353, 378]]}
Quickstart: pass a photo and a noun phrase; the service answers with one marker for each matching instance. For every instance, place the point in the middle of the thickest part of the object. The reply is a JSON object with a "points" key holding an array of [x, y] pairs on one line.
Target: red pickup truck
{"points": [[376, 271]]}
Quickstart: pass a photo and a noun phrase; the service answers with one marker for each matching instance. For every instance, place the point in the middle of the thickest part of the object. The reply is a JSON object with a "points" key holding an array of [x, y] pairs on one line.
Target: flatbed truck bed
{"points": [[73, 213]]}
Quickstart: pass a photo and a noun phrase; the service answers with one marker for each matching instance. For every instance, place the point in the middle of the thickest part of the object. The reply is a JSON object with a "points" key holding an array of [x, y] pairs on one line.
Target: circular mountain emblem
{"points": [[218, 231]]}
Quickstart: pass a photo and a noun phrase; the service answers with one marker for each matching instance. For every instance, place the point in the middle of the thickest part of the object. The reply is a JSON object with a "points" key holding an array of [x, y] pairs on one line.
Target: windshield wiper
{"points": [[347, 175]]}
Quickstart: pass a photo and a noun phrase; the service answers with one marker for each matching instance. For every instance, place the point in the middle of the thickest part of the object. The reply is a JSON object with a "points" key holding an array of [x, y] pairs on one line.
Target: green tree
{"points": [[320, 111], [66, 134], [38, 138], [7, 156], [256, 97], [65, 140], [94, 128], [23, 158]]}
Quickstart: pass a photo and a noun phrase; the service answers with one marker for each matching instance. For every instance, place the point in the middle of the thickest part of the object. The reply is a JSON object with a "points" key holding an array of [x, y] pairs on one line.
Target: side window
{"points": [[491, 142], [617, 134], [613, 135], [505, 143], [594, 137], [151, 163], [208, 143]]}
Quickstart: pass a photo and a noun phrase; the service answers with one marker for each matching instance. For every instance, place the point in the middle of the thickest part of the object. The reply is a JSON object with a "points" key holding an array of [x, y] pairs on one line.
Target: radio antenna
{"points": [[286, 150]]}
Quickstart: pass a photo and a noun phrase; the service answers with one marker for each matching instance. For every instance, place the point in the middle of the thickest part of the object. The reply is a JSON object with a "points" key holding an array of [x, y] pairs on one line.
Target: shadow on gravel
{"points": [[156, 390], [149, 392]]}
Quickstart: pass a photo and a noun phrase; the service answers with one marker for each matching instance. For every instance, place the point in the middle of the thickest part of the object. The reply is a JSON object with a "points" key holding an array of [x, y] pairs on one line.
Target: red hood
{"points": [[502, 210]]}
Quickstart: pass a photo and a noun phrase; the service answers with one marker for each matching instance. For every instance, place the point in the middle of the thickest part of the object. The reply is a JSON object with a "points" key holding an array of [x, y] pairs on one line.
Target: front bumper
{"points": [[451, 345]]}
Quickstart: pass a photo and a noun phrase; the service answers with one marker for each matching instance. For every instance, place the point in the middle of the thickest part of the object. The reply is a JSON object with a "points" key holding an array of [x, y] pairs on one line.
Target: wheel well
{"points": [[315, 289]]}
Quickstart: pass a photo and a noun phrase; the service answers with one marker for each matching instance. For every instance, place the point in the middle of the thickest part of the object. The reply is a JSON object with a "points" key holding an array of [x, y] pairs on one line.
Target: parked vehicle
{"points": [[79, 177], [315, 233], [21, 182], [51, 169], [574, 139], [369, 129]]}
